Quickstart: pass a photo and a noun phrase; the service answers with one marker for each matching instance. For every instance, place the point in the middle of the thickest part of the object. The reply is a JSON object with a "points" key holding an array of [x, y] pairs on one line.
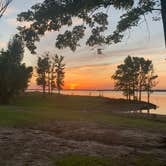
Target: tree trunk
{"points": [[163, 14], [59, 91], [148, 96], [44, 89], [49, 85], [133, 90], [140, 94], [44, 84]]}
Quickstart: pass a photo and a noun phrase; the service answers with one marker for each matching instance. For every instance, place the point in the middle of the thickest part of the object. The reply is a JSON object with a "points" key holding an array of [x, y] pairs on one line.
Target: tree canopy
{"points": [[14, 75], [134, 76], [53, 15], [50, 72]]}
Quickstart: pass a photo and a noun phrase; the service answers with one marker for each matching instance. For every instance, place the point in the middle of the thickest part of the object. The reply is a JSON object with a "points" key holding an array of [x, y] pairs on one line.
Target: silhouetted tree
{"points": [[43, 66], [50, 70], [53, 75], [123, 77], [14, 76], [60, 74], [52, 15], [150, 82], [134, 76]]}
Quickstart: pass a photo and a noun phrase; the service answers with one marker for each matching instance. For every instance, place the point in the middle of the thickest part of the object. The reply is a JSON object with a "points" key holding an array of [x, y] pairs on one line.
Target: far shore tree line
{"points": [[50, 72], [134, 76]]}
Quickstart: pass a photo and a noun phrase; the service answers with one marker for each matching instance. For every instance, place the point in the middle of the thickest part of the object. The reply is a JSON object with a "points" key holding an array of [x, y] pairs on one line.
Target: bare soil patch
{"points": [[35, 146]]}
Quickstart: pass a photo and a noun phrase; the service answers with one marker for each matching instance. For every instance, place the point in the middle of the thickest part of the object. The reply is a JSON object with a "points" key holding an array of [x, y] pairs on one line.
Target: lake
{"points": [[157, 98]]}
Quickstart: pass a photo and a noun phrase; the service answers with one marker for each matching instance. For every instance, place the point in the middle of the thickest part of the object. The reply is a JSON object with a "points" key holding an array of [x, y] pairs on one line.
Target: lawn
{"points": [[33, 108]]}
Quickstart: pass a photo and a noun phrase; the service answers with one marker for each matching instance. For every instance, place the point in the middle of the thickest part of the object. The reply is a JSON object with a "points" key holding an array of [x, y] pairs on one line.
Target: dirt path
{"points": [[35, 146]]}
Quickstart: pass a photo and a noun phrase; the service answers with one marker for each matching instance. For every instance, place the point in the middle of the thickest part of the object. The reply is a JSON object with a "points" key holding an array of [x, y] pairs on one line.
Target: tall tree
{"points": [[53, 76], [150, 82], [60, 73], [42, 70], [14, 76], [52, 15], [135, 75], [124, 78]]}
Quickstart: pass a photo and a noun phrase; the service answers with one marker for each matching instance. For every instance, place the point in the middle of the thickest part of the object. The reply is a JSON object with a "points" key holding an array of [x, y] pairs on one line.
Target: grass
{"points": [[78, 160], [33, 108]]}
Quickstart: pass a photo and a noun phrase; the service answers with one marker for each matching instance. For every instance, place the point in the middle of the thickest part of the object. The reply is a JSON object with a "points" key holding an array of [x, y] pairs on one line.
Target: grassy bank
{"points": [[33, 108]]}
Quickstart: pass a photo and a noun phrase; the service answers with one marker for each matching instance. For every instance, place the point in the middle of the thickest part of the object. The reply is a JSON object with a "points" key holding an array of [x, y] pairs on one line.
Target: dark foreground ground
{"points": [[79, 131]]}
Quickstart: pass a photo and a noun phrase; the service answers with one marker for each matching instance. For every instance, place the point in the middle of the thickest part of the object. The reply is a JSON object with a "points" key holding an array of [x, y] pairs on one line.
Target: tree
{"points": [[53, 76], [124, 77], [53, 15], [135, 75], [60, 74], [42, 70], [50, 70], [14, 76], [150, 82], [3, 6]]}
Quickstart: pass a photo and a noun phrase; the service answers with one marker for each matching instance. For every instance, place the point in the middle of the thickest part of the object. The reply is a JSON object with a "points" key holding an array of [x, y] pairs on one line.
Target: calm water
{"points": [[158, 98]]}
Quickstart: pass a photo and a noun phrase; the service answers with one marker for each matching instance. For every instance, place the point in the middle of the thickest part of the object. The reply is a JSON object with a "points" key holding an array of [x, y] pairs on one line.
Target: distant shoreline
{"points": [[104, 90]]}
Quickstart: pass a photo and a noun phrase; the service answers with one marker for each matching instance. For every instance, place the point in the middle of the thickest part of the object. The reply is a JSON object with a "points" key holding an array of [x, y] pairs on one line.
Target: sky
{"points": [[85, 69]]}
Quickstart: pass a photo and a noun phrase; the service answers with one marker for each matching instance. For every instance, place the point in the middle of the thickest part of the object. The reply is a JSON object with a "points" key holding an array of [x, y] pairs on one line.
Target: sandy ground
{"points": [[35, 146]]}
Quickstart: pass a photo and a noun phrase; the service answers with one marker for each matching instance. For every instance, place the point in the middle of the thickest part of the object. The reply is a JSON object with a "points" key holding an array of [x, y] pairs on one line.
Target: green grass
{"points": [[78, 160], [33, 108]]}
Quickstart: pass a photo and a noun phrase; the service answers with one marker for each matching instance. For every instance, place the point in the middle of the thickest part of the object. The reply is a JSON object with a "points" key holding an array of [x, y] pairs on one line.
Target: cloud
{"points": [[87, 67]]}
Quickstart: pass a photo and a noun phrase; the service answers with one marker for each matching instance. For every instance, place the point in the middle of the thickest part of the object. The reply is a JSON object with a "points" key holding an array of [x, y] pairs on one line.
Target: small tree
{"points": [[53, 77], [14, 76], [42, 70], [125, 77], [60, 74]]}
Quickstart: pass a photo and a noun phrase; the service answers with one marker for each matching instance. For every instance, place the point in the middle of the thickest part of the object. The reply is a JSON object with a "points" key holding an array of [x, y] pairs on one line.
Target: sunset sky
{"points": [[84, 68]]}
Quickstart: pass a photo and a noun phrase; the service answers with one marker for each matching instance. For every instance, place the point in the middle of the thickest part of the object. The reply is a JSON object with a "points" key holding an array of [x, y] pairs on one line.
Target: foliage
{"points": [[134, 76], [50, 70], [53, 15], [60, 74], [14, 75], [42, 70]]}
